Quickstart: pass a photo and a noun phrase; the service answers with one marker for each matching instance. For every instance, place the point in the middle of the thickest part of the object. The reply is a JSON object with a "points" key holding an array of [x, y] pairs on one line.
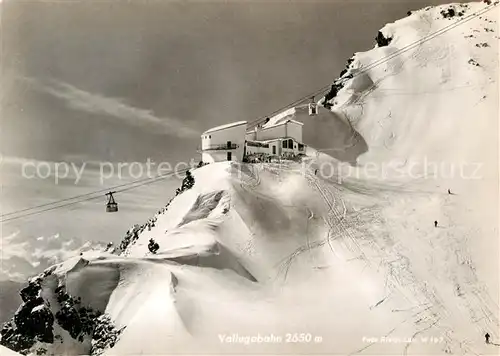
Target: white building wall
{"points": [[235, 134], [294, 130], [277, 150], [287, 151], [289, 129], [251, 135], [220, 137], [271, 133], [214, 145]]}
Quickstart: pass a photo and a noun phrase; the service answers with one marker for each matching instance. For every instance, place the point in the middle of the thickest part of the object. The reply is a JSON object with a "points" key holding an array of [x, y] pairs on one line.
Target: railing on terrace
{"points": [[257, 144], [220, 147]]}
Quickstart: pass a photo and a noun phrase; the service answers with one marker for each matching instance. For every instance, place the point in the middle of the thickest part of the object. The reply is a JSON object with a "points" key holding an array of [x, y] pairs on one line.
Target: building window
{"points": [[284, 143], [290, 143], [274, 150], [229, 156]]}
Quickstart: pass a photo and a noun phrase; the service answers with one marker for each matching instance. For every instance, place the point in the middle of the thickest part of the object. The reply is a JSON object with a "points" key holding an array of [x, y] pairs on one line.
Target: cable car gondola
{"points": [[112, 205], [313, 107]]}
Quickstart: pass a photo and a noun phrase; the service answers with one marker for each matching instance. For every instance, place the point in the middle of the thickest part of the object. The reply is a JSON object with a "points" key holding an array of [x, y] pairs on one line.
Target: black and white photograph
{"points": [[249, 177]]}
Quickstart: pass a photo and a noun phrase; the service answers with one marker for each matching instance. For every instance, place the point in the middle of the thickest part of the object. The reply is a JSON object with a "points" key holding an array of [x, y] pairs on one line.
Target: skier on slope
{"points": [[487, 338], [435, 223]]}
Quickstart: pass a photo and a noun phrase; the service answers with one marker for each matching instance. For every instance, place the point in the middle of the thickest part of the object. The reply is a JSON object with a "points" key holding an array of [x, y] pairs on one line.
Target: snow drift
{"points": [[275, 258]]}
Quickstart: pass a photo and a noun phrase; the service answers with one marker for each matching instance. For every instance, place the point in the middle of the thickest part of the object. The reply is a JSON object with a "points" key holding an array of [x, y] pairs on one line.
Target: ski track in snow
{"points": [[476, 302], [400, 277]]}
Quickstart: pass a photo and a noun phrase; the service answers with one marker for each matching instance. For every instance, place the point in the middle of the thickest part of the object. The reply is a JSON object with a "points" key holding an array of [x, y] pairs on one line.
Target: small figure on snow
{"points": [[153, 246], [316, 172], [487, 338], [435, 223]]}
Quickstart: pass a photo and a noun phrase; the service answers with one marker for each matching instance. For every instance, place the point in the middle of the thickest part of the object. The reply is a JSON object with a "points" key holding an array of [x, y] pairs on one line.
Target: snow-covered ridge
{"points": [[274, 249]]}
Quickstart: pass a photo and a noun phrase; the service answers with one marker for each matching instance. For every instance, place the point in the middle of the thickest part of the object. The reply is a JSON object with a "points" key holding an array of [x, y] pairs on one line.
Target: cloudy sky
{"points": [[124, 81]]}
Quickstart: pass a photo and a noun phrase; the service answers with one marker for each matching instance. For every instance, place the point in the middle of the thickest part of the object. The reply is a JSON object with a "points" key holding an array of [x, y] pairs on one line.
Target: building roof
{"points": [[226, 126], [267, 126], [268, 141], [256, 143], [275, 139], [280, 117], [295, 122]]}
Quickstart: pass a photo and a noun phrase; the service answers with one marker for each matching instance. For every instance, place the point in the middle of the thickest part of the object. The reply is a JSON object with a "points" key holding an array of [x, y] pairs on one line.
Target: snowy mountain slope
{"points": [[446, 134], [440, 129], [347, 261], [7, 352], [202, 304]]}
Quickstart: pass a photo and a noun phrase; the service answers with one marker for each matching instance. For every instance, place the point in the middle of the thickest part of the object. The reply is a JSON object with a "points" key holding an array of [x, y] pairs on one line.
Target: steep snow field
{"points": [[7, 352], [345, 261]]}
